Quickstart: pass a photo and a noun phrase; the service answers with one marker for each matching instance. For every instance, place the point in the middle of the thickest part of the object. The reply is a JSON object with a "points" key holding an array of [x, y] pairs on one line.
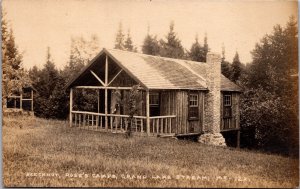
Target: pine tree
{"points": [[49, 83], [150, 45], [205, 47], [14, 76], [49, 76], [119, 42], [197, 52], [236, 68], [291, 33], [225, 65], [128, 46], [172, 46]]}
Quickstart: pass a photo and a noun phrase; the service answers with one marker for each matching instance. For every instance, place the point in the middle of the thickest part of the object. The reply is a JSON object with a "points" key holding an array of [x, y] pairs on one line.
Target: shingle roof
{"points": [[156, 72]]}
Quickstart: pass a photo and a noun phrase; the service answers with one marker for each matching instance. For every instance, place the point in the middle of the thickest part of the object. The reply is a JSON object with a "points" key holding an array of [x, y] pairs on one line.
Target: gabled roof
{"points": [[154, 72]]}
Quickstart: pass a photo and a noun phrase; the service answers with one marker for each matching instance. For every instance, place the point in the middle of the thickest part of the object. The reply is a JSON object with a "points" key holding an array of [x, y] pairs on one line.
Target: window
{"points": [[193, 107], [193, 100], [227, 110], [154, 99], [227, 100]]}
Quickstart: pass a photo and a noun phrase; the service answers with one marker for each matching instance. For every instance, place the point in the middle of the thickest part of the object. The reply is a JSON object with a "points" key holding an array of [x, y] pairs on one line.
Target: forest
{"points": [[269, 103]]}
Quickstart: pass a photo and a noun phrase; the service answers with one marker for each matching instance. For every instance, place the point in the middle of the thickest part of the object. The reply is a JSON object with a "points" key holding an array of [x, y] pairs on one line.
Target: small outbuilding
{"points": [[178, 97], [20, 102]]}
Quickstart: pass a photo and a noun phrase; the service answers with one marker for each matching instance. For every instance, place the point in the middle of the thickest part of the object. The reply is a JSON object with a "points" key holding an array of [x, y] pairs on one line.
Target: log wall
{"points": [[176, 102], [234, 122]]}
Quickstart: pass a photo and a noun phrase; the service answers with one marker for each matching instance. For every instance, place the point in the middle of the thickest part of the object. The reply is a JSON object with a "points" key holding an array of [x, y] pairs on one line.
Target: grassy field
{"points": [[38, 152]]}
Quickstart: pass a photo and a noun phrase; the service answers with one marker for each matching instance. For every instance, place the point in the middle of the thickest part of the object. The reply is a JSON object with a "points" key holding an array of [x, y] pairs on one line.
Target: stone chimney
{"points": [[212, 115]]}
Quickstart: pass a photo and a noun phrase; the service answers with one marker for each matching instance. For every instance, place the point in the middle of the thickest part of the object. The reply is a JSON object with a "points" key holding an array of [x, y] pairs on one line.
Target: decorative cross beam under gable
{"points": [[115, 77], [95, 75]]}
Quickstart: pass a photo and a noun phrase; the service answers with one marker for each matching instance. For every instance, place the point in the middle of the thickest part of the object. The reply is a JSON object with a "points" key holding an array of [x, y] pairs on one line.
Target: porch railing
{"points": [[162, 124], [120, 123]]}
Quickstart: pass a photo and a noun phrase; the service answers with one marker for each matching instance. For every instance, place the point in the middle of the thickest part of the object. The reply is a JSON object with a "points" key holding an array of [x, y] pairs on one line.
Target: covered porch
{"points": [[110, 84]]}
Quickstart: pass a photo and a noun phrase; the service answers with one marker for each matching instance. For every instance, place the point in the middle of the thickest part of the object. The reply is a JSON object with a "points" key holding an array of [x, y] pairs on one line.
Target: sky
{"points": [[237, 24]]}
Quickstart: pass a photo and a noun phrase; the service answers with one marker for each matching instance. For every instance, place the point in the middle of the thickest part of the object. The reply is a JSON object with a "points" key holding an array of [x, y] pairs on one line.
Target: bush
{"points": [[267, 122]]}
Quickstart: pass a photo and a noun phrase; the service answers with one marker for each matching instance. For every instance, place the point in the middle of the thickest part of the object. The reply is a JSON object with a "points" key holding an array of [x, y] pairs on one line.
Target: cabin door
{"points": [[154, 102]]}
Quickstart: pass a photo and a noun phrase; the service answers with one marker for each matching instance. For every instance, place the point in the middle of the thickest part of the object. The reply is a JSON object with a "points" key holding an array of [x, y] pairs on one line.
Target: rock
{"points": [[215, 139]]}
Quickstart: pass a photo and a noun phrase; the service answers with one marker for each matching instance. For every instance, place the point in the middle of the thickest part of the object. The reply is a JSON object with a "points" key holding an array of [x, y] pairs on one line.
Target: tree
{"points": [[45, 81], [172, 46], [197, 52], [274, 60], [132, 102], [236, 68], [150, 45], [14, 76], [269, 107], [205, 47], [81, 52], [226, 69], [128, 46], [119, 42]]}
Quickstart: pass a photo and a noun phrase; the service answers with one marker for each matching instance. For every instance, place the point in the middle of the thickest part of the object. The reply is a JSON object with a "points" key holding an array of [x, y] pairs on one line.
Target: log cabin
{"points": [[178, 97]]}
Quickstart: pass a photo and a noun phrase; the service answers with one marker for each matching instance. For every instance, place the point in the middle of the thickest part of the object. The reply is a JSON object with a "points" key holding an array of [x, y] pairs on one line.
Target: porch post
{"points": [[71, 106], [98, 100], [106, 81], [147, 112], [21, 99], [31, 100]]}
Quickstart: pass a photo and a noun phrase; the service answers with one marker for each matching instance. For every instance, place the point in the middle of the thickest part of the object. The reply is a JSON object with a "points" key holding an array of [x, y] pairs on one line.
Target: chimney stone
{"points": [[212, 119]]}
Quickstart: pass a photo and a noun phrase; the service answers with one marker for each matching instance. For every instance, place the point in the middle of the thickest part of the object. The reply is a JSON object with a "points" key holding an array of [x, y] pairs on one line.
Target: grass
{"points": [[34, 148]]}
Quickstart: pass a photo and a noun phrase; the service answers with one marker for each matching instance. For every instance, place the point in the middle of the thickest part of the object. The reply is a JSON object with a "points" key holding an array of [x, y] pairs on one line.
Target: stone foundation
{"points": [[215, 139]]}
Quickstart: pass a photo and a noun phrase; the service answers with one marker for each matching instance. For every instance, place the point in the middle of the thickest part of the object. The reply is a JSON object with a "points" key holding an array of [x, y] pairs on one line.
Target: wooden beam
{"points": [[101, 87], [95, 75], [160, 117], [21, 98], [98, 100], [106, 93], [115, 77], [31, 100], [71, 106], [88, 113], [98, 107], [14, 96], [148, 112], [106, 70]]}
